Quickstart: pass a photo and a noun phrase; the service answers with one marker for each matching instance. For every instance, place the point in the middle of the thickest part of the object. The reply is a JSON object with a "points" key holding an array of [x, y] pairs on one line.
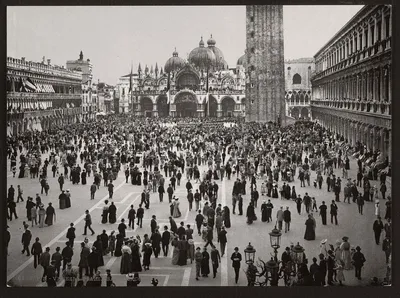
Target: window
{"points": [[372, 34], [379, 31], [289, 68], [251, 19], [366, 37], [296, 79], [252, 50], [387, 25], [361, 43], [252, 34]]}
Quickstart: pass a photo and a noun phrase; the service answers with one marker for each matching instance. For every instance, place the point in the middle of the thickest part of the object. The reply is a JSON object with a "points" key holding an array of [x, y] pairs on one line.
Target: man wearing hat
{"points": [[198, 256], [236, 259], [190, 198], [378, 227], [51, 274], [330, 265], [358, 261]]}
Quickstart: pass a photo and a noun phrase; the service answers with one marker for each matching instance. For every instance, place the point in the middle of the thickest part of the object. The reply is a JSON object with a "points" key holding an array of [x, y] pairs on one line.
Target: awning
{"points": [[29, 84]]}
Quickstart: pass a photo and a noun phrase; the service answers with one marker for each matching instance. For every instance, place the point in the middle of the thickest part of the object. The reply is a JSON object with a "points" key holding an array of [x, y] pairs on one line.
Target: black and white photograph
{"points": [[199, 146]]}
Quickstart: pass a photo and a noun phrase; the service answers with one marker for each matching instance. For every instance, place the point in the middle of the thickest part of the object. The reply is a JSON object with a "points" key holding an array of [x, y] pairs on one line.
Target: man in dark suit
{"points": [[330, 265], [166, 236], [121, 229], [139, 215], [236, 259], [153, 224], [71, 234], [334, 210]]}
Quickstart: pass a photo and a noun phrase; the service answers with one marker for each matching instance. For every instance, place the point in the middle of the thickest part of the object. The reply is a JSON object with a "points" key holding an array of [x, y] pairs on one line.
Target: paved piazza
{"points": [[357, 227]]}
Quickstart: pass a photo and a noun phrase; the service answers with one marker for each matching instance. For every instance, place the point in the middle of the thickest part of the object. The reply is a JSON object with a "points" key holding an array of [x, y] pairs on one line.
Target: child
{"points": [[339, 271], [14, 171], [315, 183]]}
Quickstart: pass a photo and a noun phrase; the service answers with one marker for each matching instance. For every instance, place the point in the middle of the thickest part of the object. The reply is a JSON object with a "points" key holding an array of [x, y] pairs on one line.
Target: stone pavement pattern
{"points": [[351, 224]]}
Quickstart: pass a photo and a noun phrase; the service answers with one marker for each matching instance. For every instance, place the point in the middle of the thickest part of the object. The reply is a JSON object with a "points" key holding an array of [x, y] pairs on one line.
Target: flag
{"points": [[168, 87]]}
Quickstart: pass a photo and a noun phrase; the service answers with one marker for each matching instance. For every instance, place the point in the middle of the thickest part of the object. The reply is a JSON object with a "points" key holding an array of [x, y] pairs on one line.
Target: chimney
{"points": [[23, 59], [48, 61]]}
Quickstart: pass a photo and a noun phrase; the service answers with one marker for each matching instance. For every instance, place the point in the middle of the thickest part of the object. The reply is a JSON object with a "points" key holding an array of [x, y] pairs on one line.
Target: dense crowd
{"points": [[155, 156]]}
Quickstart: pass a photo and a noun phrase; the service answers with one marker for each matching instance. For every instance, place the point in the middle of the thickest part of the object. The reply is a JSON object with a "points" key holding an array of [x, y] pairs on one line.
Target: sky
{"points": [[115, 38]]}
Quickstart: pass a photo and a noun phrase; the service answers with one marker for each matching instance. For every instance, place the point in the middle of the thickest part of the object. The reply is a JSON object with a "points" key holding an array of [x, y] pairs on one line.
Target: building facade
{"points": [[265, 91], [41, 94], [201, 86], [298, 87], [351, 88], [89, 98]]}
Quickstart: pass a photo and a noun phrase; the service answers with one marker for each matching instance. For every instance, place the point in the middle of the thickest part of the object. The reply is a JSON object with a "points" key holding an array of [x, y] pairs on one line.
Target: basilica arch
{"points": [[228, 106], [146, 106], [304, 113], [162, 106], [294, 112], [186, 104], [211, 110]]}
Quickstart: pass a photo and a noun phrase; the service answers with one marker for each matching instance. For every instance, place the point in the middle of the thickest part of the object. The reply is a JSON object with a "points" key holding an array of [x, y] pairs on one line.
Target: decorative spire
{"points": [[201, 43], [161, 72], [81, 56], [151, 70], [156, 70], [175, 53], [146, 70], [139, 68]]}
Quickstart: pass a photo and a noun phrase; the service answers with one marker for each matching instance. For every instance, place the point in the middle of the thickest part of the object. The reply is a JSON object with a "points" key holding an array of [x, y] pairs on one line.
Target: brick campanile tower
{"points": [[265, 76]]}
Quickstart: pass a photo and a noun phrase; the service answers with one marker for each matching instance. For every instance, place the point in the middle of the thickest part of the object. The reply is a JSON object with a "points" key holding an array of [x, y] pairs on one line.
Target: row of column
{"points": [[374, 137], [372, 84], [379, 29]]}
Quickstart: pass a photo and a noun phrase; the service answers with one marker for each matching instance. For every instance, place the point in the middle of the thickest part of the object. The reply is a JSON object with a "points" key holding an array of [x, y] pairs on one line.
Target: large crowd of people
{"points": [[155, 156]]}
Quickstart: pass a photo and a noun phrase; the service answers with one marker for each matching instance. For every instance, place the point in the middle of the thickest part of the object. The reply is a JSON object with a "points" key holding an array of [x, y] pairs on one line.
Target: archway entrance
{"points": [[162, 106], [211, 109], [186, 105], [228, 107], [146, 106], [304, 113], [295, 113]]}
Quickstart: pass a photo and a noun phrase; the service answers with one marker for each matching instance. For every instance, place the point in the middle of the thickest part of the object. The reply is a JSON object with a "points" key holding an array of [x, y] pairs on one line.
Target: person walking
{"points": [[333, 211], [67, 254], [322, 212], [83, 262], [36, 251], [198, 256], [26, 240], [131, 217], [236, 259], [358, 261], [20, 192], [45, 262], [57, 258], [140, 215], [287, 219], [165, 240], [360, 203], [222, 239], [215, 260], [279, 218], [71, 234], [93, 189], [88, 223], [377, 228], [199, 221]]}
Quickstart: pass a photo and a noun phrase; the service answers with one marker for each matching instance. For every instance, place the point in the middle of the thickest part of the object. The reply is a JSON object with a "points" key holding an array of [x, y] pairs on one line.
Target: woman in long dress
{"points": [[136, 255], [118, 246], [264, 212], [175, 252], [310, 232], [190, 252], [205, 263], [100, 251], [146, 256], [104, 215], [226, 217], [126, 259], [50, 213], [83, 177], [250, 214], [183, 247], [112, 213], [176, 213], [346, 257], [111, 243]]}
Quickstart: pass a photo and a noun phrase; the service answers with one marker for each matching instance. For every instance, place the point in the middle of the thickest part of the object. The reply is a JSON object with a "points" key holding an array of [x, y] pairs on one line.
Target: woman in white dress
{"points": [[176, 213]]}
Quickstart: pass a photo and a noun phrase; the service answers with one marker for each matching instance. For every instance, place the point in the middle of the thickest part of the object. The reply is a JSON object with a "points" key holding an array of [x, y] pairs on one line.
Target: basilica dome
{"points": [[242, 61], [202, 57], [174, 63], [219, 56]]}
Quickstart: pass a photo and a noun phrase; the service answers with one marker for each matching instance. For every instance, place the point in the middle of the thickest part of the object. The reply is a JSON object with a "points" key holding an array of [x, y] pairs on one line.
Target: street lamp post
{"points": [[275, 239], [251, 272]]}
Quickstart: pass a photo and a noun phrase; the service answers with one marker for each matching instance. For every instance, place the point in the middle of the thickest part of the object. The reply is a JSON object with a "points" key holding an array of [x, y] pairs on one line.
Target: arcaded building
{"points": [[351, 88], [201, 86], [298, 87], [40, 94]]}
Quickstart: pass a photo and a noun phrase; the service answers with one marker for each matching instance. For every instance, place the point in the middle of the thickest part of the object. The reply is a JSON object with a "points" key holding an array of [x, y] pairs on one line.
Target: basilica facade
{"points": [[201, 86]]}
